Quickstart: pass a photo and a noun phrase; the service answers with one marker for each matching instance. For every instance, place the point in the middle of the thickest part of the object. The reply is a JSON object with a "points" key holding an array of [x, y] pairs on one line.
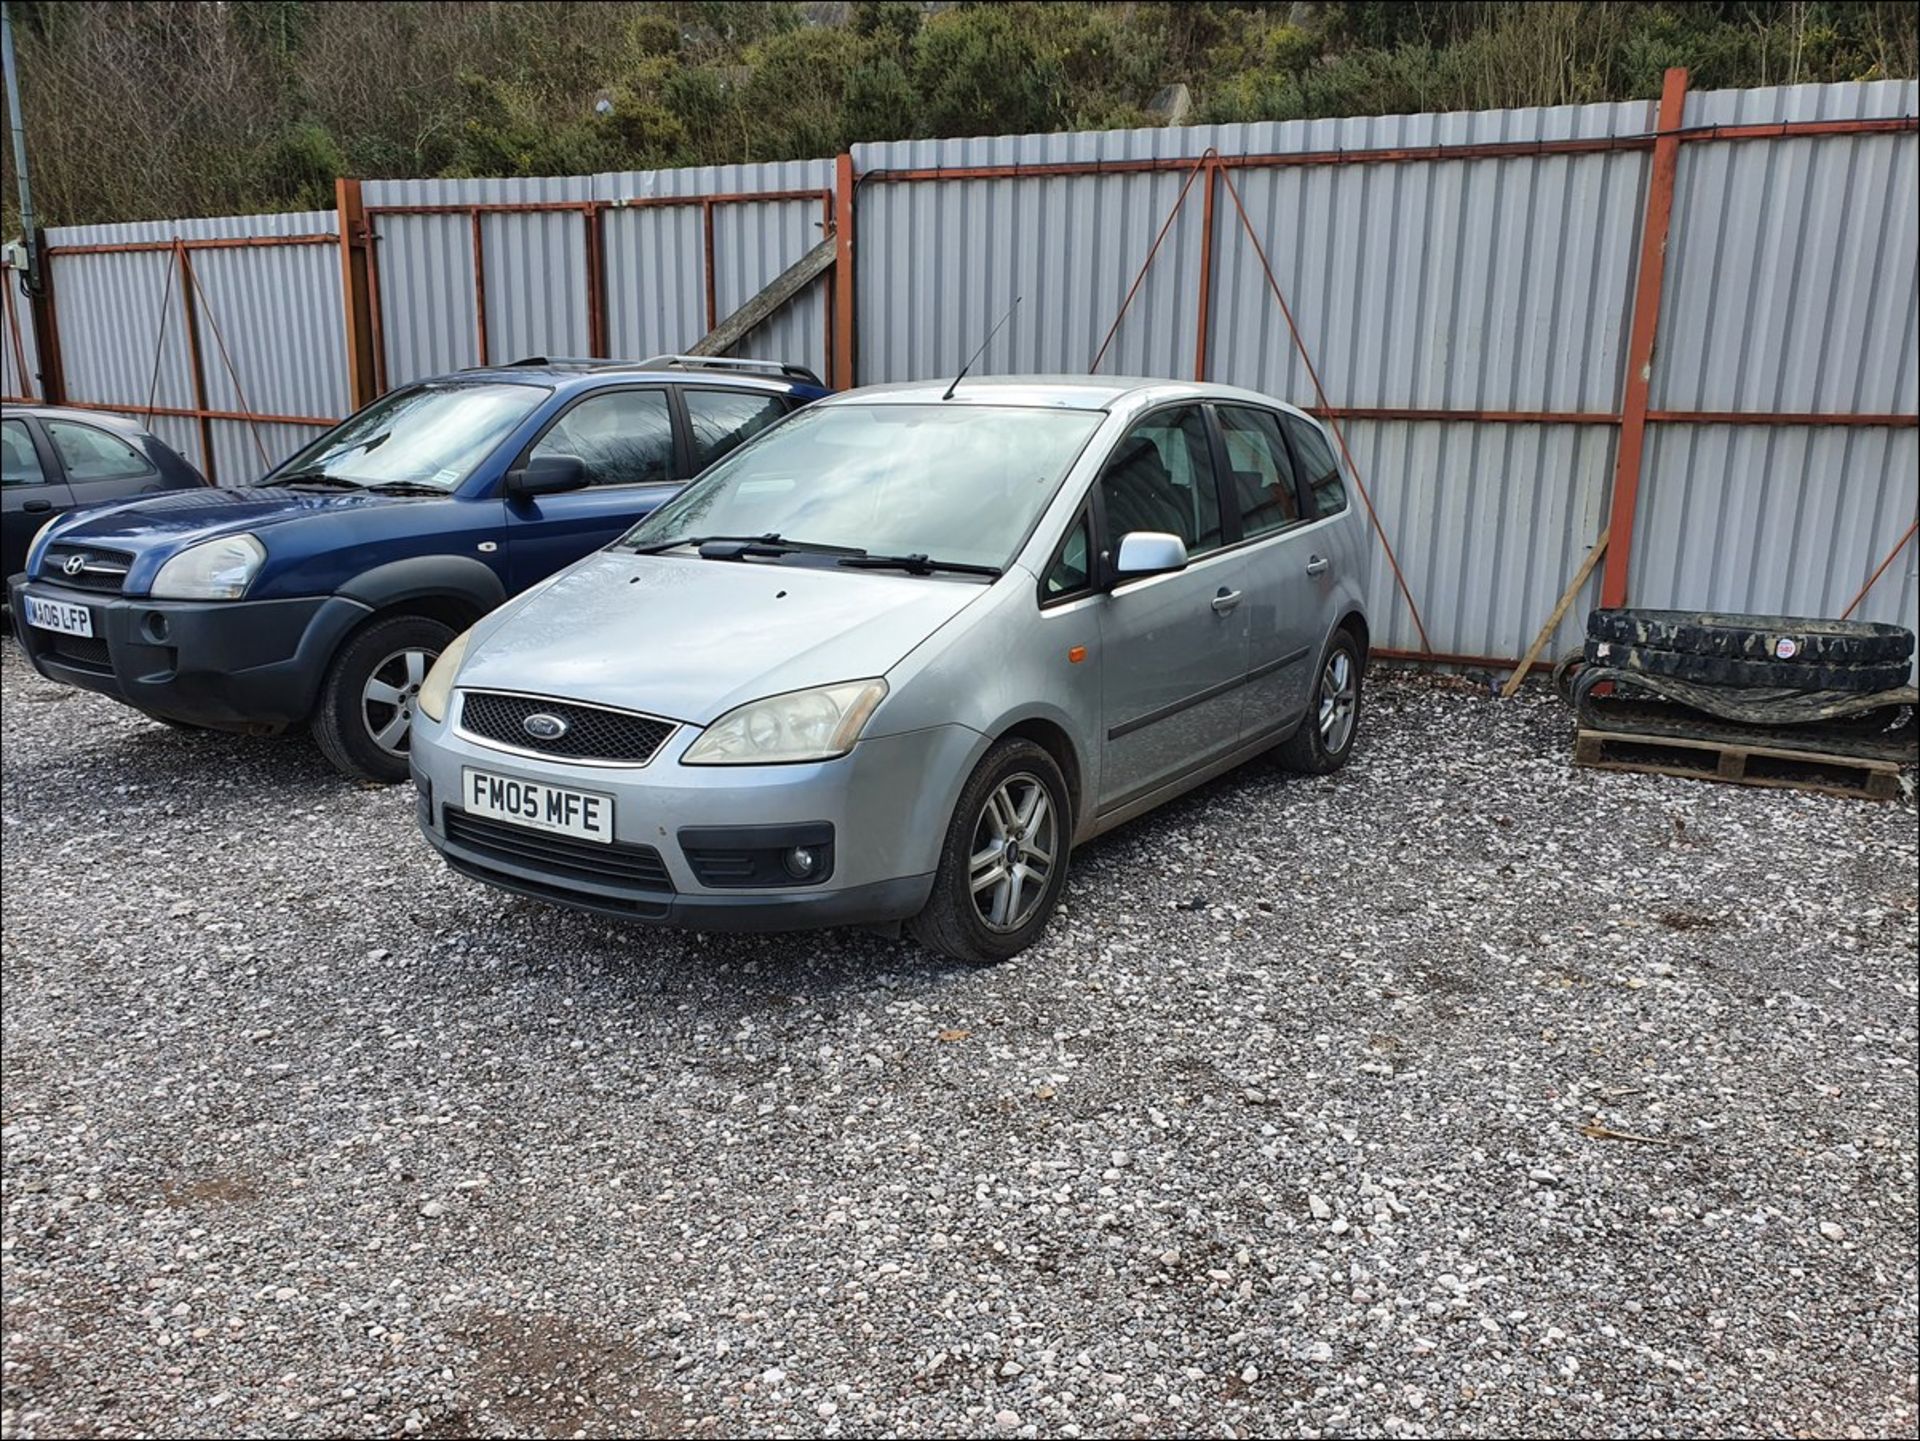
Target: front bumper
{"points": [[886, 806], [229, 665]]}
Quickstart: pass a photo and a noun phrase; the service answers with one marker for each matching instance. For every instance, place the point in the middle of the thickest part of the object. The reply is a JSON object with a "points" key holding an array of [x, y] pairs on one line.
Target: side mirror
{"points": [[547, 475], [1149, 552]]}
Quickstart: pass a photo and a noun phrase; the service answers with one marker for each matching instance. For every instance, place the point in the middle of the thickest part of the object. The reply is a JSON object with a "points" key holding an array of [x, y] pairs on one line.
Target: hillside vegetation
{"points": [[156, 110]]}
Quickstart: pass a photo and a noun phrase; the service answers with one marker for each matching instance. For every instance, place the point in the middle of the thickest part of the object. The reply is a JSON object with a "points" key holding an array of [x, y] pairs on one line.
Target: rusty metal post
{"points": [[1646, 320], [191, 311], [596, 285], [843, 338], [1880, 570], [362, 387], [706, 265], [46, 330], [827, 290], [1206, 272], [374, 319], [479, 287]]}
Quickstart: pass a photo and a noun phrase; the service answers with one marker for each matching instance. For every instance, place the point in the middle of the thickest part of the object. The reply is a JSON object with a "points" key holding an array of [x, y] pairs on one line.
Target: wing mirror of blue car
{"points": [[1149, 552], [547, 475]]}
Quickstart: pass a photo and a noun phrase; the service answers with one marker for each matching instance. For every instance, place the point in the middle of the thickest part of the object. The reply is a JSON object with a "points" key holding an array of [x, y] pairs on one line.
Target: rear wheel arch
{"points": [[1355, 624]]}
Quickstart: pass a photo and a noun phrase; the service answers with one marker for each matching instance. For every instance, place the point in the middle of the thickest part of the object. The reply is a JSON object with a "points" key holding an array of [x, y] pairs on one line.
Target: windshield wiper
{"points": [[919, 565], [405, 487], [314, 480], [734, 547]]}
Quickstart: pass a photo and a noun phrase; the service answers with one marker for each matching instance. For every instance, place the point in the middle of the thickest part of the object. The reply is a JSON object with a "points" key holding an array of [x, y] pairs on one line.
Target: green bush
{"points": [[137, 107], [979, 70]]}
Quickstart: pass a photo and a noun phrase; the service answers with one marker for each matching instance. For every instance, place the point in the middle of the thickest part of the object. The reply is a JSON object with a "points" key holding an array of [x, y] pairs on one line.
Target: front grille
{"points": [[103, 570], [637, 867], [79, 650], [592, 734]]}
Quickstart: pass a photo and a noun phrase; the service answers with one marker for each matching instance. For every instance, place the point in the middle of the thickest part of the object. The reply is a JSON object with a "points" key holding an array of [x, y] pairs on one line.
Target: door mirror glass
{"points": [[548, 475], [1149, 552]]}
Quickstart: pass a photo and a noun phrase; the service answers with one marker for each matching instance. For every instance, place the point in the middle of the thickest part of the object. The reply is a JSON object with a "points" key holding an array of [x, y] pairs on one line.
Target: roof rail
{"points": [[668, 362], [729, 362]]}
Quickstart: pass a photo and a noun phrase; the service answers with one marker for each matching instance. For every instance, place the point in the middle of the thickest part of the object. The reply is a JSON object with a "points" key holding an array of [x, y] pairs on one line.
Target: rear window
{"points": [[90, 453], [1316, 460]]}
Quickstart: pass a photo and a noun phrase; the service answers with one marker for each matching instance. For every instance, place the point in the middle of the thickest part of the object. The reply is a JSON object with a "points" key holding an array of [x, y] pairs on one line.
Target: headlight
{"points": [[213, 570], [803, 725], [437, 689]]}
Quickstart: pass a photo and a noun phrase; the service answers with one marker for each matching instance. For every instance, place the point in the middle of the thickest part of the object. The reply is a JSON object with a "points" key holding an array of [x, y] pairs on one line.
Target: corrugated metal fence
{"points": [[227, 332], [633, 264], [1474, 292], [19, 347]]}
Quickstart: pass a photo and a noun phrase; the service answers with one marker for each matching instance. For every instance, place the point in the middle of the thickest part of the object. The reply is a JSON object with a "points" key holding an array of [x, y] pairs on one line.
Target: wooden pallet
{"points": [[1739, 763]]}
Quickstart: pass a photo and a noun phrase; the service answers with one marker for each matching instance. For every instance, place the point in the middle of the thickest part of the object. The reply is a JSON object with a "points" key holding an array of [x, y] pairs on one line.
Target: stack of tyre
{"points": [[1759, 652]]}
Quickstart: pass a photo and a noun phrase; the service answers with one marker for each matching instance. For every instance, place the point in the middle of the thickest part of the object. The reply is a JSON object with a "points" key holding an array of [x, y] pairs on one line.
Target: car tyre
{"points": [[364, 719], [1012, 830], [1326, 736]]}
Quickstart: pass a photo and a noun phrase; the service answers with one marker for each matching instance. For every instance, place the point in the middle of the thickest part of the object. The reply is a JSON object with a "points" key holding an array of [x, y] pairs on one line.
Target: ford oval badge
{"points": [[544, 727]]}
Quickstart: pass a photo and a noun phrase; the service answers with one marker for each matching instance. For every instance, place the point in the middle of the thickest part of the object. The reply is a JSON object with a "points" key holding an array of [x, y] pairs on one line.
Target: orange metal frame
{"points": [[1646, 319], [367, 368], [1634, 414]]}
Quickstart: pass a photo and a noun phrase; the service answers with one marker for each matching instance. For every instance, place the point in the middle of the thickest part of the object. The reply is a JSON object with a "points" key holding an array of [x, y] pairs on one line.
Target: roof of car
{"points": [[108, 418], [1068, 392]]}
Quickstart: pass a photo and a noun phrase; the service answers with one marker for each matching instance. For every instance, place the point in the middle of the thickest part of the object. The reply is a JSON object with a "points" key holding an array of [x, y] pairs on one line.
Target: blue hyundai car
{"points": [[322, 595]]}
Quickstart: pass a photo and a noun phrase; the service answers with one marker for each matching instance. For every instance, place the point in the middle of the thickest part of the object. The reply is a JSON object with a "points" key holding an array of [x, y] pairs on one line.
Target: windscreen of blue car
{"points": [[961, 483], [429, 435]]}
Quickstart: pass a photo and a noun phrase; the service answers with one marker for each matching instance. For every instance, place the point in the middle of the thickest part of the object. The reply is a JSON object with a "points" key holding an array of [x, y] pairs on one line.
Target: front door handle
{"points": [[36, 506], [1317, 565], [1225, 601]]}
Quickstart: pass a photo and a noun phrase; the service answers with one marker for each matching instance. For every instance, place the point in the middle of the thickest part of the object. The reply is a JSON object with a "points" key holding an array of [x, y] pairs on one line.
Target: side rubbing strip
{"points": [[1273, 665], [1201, 697]]}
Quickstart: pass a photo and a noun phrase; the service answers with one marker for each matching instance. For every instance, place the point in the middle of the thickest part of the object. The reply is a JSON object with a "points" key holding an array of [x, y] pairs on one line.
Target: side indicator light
{"points": [[1076, 655]]}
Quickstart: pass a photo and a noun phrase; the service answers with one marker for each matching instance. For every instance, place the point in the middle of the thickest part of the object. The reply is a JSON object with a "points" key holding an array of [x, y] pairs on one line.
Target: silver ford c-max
{"points": [[892, 659]]}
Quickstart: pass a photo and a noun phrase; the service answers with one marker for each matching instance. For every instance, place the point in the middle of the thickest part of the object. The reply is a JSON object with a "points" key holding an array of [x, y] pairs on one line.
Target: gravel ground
{"points": [[1284, 1128]]}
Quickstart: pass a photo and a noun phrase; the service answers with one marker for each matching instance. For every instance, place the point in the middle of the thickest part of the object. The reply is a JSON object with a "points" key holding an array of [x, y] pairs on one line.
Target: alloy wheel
{"points": [[1015, 841], [390, 696], [1339, 698]]}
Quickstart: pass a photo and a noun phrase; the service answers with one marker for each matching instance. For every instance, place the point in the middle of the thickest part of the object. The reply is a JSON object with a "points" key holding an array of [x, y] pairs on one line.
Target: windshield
{"points": [[427, 435], [959, 483]]}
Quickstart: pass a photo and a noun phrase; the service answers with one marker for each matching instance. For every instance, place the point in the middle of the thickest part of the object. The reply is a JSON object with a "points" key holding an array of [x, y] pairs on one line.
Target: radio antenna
{"points": [[983, 348]]}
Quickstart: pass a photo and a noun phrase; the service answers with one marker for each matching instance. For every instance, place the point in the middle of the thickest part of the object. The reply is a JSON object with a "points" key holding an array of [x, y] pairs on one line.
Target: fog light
{"points": [[800, 862]]}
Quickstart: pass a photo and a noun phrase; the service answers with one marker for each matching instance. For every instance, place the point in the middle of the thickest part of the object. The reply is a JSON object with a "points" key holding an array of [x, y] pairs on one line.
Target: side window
{"points": [[1316, 458], [21, 461], [1263, 484], [724, 419], [1073, 567], [1160, 477], [90, 453], [624, 437]]}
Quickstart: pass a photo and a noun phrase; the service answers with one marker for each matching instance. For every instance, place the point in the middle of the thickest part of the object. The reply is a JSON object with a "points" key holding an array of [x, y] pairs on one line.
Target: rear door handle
{"points": [[1225, 601], [1318, 565], [36, 506]]}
